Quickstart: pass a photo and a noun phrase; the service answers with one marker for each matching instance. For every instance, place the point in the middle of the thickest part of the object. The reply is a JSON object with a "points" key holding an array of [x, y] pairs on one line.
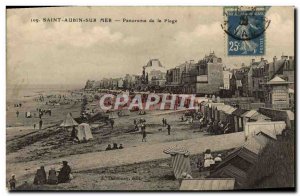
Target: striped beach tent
{"points": [[180, 161]]}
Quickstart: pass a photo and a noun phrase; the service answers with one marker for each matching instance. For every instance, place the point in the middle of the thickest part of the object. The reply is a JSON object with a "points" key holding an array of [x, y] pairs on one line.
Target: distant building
{"points": [[262, 71], [203, 77], [236, 83], [278, 93], [129, 81], [258, 78], [210, 75], [89, 84], [284, 67], [154, 74], [174, 77], [226, 79]]}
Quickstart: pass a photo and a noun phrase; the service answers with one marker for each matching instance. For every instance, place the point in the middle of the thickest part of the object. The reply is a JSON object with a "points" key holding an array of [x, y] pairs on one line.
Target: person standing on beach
{"points": [[40, 124], [169, 129], [112, 122], [12, 182], [34, 125], [144, 136], [17, 113], [163, 121], [143, 127]]}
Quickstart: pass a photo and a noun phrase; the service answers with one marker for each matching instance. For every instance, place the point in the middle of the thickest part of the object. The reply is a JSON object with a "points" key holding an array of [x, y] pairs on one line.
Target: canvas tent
{"points": [[180, 161], [69, 121], [84, 132]]}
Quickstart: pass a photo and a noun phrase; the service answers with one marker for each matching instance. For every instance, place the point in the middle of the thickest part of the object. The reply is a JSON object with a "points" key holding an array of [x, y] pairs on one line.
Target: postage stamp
{"points": [[245, 28]]}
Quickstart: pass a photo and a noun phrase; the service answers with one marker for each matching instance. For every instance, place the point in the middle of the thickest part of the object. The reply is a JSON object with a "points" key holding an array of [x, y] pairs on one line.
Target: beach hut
{"points": [[254, 115], [69, 121], [180, 161], [239, 161], [84, 132], [271, 127], [207, 184], [238, 119]]}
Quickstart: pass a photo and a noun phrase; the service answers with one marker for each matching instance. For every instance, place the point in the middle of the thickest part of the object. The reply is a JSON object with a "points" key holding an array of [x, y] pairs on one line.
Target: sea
{"points": [[23, 92]]}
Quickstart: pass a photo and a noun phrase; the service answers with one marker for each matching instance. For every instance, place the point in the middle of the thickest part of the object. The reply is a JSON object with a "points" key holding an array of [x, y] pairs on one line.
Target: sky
{"points": [[71, 53]]}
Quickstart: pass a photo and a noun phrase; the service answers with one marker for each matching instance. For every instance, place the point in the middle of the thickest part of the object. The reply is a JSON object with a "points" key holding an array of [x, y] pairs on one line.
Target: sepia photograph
{"points": [[150, 98]]}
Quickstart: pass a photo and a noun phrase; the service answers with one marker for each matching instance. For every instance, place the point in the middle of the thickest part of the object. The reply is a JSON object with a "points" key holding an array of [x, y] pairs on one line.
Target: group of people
{"points": [[114, 147], [41, 112], [215, 127], [64, 175], [141, 125], [40, 124], [18, 105], [208, 162]]}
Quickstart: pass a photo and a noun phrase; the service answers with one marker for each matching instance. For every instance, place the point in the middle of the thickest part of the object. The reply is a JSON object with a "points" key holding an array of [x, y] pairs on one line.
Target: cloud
{"points": [[202, 32], [280, 28], [131, 40], [74, 34]]}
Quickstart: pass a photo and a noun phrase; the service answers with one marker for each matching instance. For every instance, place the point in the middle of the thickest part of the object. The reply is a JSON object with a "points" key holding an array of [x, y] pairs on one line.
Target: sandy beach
{"points": [[29, 148]]}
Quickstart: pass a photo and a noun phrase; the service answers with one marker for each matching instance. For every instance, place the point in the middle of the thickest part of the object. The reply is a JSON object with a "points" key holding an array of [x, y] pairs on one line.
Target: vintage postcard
{"points": [[150, 98]]}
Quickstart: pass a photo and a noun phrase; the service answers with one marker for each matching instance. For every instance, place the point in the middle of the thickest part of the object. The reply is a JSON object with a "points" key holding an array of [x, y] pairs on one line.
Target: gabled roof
{"points": [[278, 80], [239, 112], [226, 109], [249, 114], [260, 117], [241, 152], [255, 144], [266, 134], [231, 171], [213, 184]]}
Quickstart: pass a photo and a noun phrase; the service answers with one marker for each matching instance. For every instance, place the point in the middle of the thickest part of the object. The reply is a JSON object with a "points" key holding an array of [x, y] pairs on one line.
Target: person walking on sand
{"points": [[40, 124], [163, 121], [169, 129], [34, 125], [17, 113]]}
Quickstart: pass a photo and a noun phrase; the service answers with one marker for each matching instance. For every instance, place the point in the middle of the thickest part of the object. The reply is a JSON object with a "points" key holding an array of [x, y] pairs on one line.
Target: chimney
{"points": [[274, 59], [261, 59], [252, 61]]}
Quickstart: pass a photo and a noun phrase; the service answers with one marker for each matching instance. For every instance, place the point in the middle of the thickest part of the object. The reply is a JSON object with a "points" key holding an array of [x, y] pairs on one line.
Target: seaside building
{"points": [[154, 74], [203, 77], [278, 93]]}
